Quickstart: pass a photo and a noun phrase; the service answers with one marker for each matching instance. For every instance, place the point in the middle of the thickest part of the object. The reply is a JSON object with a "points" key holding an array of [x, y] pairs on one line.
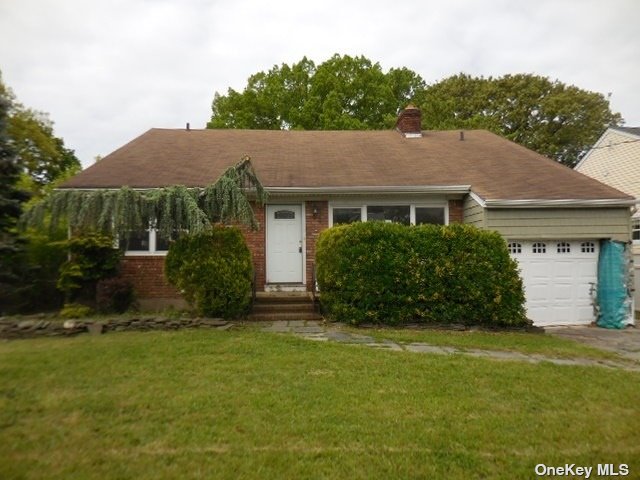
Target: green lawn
{"points": [[244, 404]]}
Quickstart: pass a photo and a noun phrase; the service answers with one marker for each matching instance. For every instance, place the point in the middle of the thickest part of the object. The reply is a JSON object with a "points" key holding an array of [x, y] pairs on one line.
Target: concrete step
{"points": [[283, 297], [259, 307], [274, 317]]}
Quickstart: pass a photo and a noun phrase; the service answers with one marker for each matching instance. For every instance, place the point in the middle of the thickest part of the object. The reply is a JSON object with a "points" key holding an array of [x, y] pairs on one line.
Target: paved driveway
{"points": [[626, 342]]}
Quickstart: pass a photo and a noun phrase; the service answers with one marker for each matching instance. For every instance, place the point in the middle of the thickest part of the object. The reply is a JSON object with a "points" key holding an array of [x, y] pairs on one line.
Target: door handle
{"points": [[300, 247]]}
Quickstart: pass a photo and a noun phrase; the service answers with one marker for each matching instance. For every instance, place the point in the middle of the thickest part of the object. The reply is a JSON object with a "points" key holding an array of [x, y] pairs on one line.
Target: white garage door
{"points": [[558, 277]]}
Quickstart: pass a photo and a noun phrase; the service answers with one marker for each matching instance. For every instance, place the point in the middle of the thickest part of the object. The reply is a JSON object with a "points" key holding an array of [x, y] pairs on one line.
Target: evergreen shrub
{"points": [[213, 270], [92, 257], [386, 273], [114, 295]]}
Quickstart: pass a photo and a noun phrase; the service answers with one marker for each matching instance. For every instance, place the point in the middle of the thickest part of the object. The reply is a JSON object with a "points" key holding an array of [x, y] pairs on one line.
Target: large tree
{"points": [[11, 199], [42, 156], [32, 161], [557, 120], [345, 93]]}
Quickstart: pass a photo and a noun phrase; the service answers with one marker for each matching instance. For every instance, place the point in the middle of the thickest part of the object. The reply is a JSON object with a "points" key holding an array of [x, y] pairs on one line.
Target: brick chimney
{"points": [[409, 122]]}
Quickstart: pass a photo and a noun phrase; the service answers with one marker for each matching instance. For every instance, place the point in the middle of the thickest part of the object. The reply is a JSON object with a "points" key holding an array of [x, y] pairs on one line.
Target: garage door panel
{"points": [[557, 284]]}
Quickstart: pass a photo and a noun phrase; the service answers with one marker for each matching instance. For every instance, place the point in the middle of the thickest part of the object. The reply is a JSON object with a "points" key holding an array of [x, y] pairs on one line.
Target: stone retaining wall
{"points": [[32, 328]]}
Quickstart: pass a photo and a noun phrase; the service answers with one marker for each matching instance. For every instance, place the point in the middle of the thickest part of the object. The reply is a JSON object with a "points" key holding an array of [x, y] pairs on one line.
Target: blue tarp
{"points": [[613, 297]]}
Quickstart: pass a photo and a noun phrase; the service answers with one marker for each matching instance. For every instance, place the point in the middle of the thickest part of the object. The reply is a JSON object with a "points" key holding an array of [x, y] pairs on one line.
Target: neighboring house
{"points": [[615, 160], [551, 216]]}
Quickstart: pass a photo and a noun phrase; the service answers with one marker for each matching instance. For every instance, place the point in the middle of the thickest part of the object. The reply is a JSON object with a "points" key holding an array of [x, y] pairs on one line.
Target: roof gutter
{"points": [[360, 190], [533, 203], [547, 203]]}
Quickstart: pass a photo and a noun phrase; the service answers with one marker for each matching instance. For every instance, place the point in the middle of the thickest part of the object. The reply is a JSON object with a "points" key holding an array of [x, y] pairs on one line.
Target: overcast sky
{"points": [[107, 71]]}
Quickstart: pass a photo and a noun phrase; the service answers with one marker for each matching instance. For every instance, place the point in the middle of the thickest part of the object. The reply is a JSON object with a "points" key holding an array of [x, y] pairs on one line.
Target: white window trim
{"points": [[635, 220], [152, 247], [412, 208]]}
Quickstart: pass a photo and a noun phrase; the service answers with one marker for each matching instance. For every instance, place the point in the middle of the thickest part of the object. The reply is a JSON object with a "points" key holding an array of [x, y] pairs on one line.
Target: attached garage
{"points": [[557, 246], [559, 277]]}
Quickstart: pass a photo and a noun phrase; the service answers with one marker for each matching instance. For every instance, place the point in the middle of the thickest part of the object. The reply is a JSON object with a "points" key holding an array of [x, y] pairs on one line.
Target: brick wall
{"points": [[256, 242], [456, 212], [146, 273], [315, 223]]}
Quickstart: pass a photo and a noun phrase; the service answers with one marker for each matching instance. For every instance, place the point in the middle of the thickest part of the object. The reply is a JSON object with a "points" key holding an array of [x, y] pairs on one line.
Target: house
{"points": [[551, 216], [615, 160]]}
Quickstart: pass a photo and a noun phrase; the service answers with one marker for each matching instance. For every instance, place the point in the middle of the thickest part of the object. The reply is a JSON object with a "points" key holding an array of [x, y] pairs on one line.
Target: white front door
{"points": [[558, 276], [284, 244]]}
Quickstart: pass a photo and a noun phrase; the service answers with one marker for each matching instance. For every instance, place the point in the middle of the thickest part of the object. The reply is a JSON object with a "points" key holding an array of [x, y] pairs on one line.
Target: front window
{"points": [[149, 241], [163, 241], [135, 241], [408, 214], [346, 215], [635, 229], [433, 215], [389, 213]]}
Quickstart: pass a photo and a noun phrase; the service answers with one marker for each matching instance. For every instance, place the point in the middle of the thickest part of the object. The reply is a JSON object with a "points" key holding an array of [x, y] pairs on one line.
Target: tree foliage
{"points": [[557, 120], [91, 258], [42, 157], [353, 93], [11, 199], [171, 209], [213, 270], [342, 93]]}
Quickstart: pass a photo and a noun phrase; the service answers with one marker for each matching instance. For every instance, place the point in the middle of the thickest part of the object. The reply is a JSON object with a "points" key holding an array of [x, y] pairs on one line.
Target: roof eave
{"points": [[565, 202], [365, 190]]}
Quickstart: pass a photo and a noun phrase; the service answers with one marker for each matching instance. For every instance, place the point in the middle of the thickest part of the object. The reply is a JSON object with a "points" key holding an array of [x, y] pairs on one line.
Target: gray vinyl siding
{"points": [[556, 223], [473, 213]]}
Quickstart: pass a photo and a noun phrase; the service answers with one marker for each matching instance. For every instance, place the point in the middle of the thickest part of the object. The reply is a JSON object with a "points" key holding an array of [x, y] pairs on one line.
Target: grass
{"points": [[243, 404], [528, 343]]}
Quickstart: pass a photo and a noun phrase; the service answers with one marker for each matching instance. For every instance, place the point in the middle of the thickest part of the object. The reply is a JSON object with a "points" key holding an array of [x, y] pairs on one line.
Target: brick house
{"points": [[551, 216]]}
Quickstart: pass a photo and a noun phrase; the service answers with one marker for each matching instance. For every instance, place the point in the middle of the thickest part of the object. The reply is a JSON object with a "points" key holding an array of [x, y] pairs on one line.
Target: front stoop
{"points": [[276, 306]]}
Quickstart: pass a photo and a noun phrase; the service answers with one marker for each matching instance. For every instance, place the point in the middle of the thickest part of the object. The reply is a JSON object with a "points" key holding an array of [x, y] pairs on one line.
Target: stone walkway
{"points": [[625, 342], [321, 332]]}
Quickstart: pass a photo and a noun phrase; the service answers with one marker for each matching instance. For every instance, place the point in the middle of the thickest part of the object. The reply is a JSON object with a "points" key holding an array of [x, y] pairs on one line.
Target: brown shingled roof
{"points": [[494, 167]]}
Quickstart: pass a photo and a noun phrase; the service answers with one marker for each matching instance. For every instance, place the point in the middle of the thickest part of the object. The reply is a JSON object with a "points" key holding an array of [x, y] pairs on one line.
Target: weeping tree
{"points": [[169, 209]]}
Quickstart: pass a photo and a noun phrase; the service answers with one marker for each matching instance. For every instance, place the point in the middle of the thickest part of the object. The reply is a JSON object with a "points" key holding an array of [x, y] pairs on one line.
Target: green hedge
{"points": [[213, 270], [386, 273]]}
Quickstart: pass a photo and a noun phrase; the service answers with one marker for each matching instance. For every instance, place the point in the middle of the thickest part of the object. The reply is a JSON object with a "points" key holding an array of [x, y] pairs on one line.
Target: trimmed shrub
{"points": [[114, 295], [385, 273], [213, 270]]}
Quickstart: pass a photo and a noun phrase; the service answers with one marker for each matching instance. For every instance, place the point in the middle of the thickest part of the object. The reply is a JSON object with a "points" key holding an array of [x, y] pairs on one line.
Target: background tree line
{"points": [[353, 93], [32, 161]]}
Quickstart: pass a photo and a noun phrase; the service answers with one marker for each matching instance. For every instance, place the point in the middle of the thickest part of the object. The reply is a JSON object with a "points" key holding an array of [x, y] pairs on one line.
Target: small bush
{"points": [[213, 270], [91, 257], [388, 273], [114, 295], [75, 310]]}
